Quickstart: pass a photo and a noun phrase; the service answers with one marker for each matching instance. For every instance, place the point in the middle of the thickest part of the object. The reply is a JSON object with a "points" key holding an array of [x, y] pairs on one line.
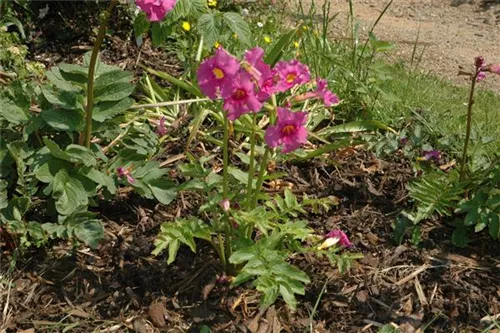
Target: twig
{"points": [[412, 275]]}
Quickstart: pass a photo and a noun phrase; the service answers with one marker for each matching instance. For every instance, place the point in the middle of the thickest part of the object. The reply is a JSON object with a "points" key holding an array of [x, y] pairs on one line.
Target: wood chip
{"points": [[420, 293], [412, 275]]}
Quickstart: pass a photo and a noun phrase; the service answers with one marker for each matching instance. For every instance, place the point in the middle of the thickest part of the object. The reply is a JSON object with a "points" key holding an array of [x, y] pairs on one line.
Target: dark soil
{"points": [[121, 286]]}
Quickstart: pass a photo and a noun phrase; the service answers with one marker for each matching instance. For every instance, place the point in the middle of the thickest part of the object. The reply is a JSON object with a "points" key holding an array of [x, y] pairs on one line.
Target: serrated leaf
{"points": [[208, 28], [61, 82], [47, 171], [73, 153], [63, 120], [74, 69], [238, 26], [107, 110], [12, 112], [111, 77], [113, 92], [63, 99], [69, 193]]}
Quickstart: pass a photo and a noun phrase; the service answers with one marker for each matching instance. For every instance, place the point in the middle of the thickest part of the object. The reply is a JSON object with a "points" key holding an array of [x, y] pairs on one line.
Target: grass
{"points": [[442, 107], [397, 93]]}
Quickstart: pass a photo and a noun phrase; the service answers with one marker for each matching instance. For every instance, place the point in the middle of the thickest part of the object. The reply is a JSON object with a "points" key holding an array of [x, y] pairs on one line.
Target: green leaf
{"points": [[111, 77], [107, 110], [63, 120], [3, 193], [186, 86], [74, 69], [164, 190], [356, 126], [62, 81], [113, 92], [276, 52], [36, 231], [379, 45], [73, 153], [288, 297], [63, 99], [182, 231], [13, 112], [471, 218], [47, 171], [100, 178], [238, 26], [90, 232], [494, 225], [208, 28], [141, 24], [69, 193]]}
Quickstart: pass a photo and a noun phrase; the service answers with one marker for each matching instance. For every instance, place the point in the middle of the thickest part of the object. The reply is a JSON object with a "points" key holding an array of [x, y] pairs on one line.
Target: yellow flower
{"points": [[316, 32], [304, 27], [296, 44], [267, 39], [212, 3], [186, 26], [216, 45], [235, 35]]}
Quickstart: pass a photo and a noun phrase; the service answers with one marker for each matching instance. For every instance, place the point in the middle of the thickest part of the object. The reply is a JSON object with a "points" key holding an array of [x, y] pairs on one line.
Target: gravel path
{"points": [[452, 32]]}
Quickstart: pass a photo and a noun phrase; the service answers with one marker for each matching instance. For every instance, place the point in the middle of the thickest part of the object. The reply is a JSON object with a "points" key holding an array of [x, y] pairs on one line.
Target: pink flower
{"points": [[432, 154], [216, 74], [290, 74], [242, 99], [480, 76], [495, 68], [161, 130], [261, 72], [479, 62], [322, 92], [258, 68], [225, 205], [121, 171], [288, 132], [156, 9], [341, 236]]}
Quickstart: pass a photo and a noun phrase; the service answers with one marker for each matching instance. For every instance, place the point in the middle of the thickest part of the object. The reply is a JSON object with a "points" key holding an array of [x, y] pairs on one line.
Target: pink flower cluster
{"points": [[245, 86], [156, 9], [482, 68]]}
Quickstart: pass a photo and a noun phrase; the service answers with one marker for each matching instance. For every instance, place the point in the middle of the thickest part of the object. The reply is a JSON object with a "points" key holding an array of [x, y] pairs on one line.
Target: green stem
{"points": [[90, 79], [222, 252], [251, 168], [225, 157], [260, 179], [469, 125]]}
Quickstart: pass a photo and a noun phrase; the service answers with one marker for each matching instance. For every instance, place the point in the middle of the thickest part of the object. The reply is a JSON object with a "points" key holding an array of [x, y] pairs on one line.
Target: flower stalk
{"points": [[91, 73], [469, 125]]}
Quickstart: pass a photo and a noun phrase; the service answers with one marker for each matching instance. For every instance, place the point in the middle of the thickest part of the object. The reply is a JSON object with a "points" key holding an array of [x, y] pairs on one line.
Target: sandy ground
{"points": [[452, 32]]}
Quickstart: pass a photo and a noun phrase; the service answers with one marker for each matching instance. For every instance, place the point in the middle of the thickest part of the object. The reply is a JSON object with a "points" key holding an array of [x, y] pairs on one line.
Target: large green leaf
{"points": [[64, 81], [73, 153], [13, 112], [111, 77], [113, 92], [239, 26], [207, 25], [164, 190], [63, 120], [47, 171], [84, 226], [63, 99], [107, 110], [69, 193]]}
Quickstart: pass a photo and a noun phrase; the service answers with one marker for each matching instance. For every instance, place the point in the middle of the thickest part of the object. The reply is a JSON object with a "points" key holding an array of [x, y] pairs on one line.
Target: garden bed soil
{"points": [[120, 286]]}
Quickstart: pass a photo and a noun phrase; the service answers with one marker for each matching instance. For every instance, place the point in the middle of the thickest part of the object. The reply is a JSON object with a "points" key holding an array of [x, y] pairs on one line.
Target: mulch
{"points": [[120, 286]]}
